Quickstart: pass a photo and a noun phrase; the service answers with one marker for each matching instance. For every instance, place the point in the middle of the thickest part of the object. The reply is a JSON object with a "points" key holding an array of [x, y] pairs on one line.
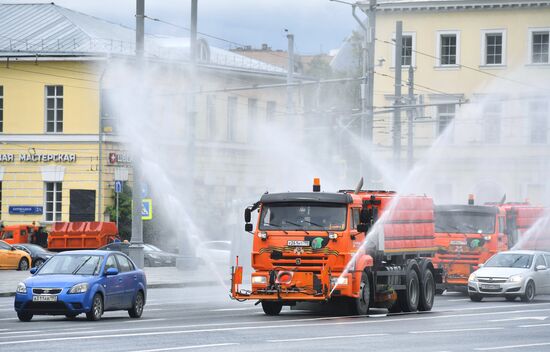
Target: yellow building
{"points": [[484, 65], [60, 152]]}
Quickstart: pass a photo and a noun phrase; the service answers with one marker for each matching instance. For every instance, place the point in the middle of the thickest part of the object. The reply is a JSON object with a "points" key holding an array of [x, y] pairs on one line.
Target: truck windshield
{"points": [[307, 216], [464, 222]]}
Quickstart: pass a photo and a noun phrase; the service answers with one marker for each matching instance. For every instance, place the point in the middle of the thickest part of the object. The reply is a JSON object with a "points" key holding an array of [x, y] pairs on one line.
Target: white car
{"points": [[512, 274], [215, 252]]}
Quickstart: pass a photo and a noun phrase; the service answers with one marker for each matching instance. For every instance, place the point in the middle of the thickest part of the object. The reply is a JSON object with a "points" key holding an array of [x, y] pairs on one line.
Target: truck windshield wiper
{"points": [[278, 226], [81, 265], [314, 224], [297, 225]]}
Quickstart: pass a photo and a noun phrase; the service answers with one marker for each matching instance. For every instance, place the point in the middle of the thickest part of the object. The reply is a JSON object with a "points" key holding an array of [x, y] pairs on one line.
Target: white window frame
{"points": [[232, 116], [55, 201], [211, 125], [413, 58], [1, 108], [490, 116], [438, 48], [484, 33], [532, 31], [55, 108], [536, 115]]}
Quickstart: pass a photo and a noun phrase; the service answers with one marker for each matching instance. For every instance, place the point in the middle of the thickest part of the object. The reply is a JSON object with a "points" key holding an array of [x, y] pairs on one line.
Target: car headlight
{"points": [[515, 278], [21, 288], [473, 277], [339, 281], [79, 288], [259, 280]]}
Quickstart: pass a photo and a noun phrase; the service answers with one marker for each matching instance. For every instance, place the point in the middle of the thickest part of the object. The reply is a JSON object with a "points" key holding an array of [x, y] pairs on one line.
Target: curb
{"points": [[154, 286]]}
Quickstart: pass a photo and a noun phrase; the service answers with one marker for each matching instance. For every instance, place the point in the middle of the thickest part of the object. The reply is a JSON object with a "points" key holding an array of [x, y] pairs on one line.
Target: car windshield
{"points": [[305, 216], [75, 264], [510, 260], [151, 248], [464, 222], [35, 248]]}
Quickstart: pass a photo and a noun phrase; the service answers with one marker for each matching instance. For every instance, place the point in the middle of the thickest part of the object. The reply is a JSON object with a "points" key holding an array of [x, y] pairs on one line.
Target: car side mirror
{"points": [[33, 270], [247, 215], [111, 272], [541, 267], [12, 248], [248, 227]]}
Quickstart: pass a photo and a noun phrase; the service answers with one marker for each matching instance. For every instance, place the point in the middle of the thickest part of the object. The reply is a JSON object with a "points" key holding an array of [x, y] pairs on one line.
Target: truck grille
{"points": [[302, 263], [459, 258]]}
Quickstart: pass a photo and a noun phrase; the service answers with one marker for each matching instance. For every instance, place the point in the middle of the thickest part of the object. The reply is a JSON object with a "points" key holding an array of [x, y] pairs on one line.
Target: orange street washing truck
{"points": [[81, 235], [14, 234], [468, 235], [312, 247]]}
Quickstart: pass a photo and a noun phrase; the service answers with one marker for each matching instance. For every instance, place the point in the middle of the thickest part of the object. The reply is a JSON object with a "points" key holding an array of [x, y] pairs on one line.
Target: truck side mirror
{"points": [[248, 227], [247, 215]]}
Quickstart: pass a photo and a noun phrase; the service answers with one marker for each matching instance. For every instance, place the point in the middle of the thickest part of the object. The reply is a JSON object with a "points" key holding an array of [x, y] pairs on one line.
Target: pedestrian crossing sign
{"points": [[147, 209]]}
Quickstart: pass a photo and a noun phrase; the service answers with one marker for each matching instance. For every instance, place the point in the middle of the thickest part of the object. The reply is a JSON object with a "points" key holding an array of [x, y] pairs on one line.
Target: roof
{"points": [[453, 5], [307, 197], [42, 29]]}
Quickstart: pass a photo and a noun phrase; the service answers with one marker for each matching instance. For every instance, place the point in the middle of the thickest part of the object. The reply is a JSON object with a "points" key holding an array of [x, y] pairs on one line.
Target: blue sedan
{"points": [[76, 282]]}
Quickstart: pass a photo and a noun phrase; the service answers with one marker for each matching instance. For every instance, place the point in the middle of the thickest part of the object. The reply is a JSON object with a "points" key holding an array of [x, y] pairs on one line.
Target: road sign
{"points": [[25, 209], [146, 209], [118, 186]]}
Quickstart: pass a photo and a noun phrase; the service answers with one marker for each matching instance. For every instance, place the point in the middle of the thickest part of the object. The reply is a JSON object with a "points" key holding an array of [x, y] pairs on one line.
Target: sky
{"points": [[318, 25]]}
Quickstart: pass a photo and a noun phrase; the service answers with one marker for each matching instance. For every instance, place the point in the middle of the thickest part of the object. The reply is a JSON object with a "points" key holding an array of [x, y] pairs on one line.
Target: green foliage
{"points": [[125, 212], [319, 68]]}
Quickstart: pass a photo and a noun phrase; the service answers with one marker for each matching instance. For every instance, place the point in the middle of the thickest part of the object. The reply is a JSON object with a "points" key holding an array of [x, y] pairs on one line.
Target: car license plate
{"points": [[298, 243], [44, 298], [490, 287]]}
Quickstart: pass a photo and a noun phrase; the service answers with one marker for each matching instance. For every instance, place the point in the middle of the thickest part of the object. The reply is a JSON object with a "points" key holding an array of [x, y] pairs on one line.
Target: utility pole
{"points": [[193, 38], [410, 116], [136, 247], [290, 74], [397, 96]]}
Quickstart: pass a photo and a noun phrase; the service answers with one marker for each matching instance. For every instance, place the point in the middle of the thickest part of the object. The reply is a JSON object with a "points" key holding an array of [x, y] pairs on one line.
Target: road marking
{"points": [[18, 332], [533, 325], [458, 300], [519, 318], [512, 346], [188, 347], [452, 330], [232, 309], [327, 338], [145, 320]]}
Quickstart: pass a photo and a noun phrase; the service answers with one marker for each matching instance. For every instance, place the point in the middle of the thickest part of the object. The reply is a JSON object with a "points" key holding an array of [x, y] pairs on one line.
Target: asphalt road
{"points": [[206, 319]]}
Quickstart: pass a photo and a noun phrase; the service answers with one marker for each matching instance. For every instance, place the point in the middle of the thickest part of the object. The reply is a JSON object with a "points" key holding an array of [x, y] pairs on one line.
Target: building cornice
{"points": [[455, 5]]}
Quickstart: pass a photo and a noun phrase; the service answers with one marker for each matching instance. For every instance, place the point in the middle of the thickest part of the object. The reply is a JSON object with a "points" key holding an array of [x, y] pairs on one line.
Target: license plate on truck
{"points": [[298, 243], [44, 298]]}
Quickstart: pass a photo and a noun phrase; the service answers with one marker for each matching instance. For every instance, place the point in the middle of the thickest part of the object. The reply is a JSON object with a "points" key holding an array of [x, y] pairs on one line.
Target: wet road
{"points": [[205, 319]]}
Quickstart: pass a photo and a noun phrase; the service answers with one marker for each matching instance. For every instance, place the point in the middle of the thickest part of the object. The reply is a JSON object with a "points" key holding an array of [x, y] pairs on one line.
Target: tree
{"points": [[124, 211]]}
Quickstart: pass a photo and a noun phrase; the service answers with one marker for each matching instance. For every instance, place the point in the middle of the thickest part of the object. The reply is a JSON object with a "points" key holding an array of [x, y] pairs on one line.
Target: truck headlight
{"points": [[515, 278], [21, 288], [339, 281], [259, 280], [473, 277], [79, 288]]}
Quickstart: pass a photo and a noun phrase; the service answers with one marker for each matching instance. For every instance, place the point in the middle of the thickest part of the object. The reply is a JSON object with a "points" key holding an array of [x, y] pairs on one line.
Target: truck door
{"points": [[502, 239]]}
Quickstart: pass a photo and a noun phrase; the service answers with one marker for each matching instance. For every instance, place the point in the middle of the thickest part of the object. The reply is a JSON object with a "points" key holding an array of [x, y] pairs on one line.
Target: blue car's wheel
{"points": [[96, 311], [24, 316], [137, 307]]}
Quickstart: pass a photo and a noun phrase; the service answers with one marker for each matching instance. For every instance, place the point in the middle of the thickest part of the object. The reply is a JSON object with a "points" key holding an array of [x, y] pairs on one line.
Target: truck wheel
{"points": [[272, 308], [529, 294], [360, 305], [427, 291], [410, 296]]}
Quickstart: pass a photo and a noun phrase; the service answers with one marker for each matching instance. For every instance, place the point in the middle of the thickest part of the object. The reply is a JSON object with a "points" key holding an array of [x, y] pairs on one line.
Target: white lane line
{"points": [[17, 332], [189, 347], [145, 320], [327, 338], [512, 346], [452, 330], [518, 318], [533, 325], [8, 319], [458, 300], [232, 309], [154, 309]]}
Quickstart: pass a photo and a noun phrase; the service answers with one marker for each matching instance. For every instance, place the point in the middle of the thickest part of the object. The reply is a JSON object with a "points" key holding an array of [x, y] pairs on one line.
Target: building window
{"points": [[270, 109], [231, 118], [539, 47], [1, 109], [211, 130], [407, 50], [449, 49], [53, 201], [252, 115], [445, 115], [492, 113], [538, 113], [54, 109], [494, 48]]}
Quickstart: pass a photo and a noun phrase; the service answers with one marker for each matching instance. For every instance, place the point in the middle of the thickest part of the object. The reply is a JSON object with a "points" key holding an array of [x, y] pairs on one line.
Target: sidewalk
{"points": [[161, 277]]}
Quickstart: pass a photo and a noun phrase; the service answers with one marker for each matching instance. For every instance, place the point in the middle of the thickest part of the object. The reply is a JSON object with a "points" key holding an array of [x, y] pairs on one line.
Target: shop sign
{"points": [[119, 158], [34, 158], [25, 209]]}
